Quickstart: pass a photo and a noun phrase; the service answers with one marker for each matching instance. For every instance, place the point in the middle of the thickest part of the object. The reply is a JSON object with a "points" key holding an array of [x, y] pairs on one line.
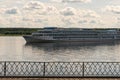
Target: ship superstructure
{"points": [[54, 34]]}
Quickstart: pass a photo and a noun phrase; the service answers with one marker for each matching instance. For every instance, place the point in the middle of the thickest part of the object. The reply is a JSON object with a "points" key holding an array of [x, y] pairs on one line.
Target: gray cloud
{"points": [[40, 8], [72, 1], [114, 9], [52, 10], [89, 13], [93, 21], [68, 11], [82, 21], [12, 11], [34, 5], [69, 20], [118, 18], [90, 21]]}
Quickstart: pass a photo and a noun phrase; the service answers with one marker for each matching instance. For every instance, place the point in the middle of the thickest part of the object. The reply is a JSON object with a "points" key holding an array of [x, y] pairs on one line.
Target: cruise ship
{"points": [[55, 34]]}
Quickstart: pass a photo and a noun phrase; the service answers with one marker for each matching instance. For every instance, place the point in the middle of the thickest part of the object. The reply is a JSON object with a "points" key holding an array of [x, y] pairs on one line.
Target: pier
{"points": [[10, 69]]}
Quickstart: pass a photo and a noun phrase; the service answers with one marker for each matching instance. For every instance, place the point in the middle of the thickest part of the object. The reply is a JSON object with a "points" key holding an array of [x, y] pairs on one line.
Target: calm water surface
{"points": [[16, 49]]}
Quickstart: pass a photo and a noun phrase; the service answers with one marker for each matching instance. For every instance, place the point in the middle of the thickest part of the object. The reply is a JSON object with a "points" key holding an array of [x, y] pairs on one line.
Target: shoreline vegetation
{"points": [[17, 31], [28, 31]]}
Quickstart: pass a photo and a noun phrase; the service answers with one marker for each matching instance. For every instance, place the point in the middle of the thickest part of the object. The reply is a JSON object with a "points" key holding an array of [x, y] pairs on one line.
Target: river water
{"points": [[16, 49]]}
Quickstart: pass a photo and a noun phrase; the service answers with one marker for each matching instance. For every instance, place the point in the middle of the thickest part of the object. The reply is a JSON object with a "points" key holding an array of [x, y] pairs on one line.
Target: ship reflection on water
{"points": [[73, 51], [66, 45]]}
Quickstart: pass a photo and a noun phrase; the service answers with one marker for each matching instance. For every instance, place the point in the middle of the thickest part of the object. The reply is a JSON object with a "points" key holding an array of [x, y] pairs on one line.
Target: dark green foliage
{"points": [[17, 31]]}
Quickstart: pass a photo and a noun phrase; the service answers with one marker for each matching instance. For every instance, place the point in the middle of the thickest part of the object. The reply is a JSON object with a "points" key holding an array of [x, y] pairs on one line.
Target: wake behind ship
{"points": [[54, 34]]}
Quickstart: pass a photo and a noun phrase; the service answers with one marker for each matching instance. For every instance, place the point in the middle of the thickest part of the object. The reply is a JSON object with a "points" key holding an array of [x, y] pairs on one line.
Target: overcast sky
{"points": [[61, 13]]}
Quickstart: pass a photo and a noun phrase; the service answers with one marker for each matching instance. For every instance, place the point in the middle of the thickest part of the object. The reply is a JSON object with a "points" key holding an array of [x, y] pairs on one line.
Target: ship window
{"points": [[108, 37], [47, 31], [118, 36], [40, 34]]}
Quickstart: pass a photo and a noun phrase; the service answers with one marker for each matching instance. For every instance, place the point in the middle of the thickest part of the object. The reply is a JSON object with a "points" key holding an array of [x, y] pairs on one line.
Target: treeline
{"points": [[17, 31]]}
